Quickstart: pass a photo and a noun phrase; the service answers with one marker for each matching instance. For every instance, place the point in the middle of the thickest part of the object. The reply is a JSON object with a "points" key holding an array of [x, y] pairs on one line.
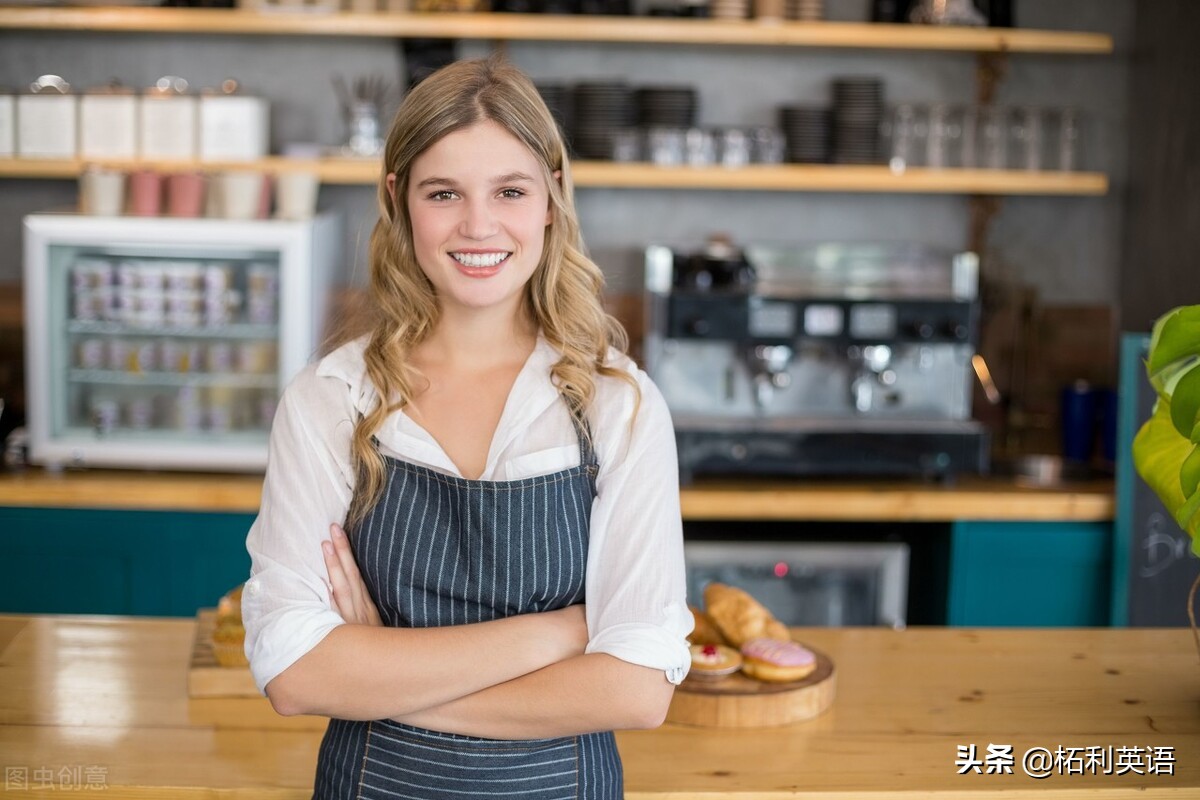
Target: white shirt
{"points": [[635, 584]]}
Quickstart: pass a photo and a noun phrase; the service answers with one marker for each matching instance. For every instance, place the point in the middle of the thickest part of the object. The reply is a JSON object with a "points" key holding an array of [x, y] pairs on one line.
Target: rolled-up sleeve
{"points": [[286, 607], [636, 585]]}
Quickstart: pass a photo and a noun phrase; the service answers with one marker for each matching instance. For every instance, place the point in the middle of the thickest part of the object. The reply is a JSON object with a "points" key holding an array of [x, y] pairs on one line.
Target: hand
{"points": [[350, 596]]}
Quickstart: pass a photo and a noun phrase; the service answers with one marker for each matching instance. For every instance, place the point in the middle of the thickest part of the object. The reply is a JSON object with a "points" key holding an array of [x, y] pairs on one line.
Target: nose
{"points": [[478, 221]]}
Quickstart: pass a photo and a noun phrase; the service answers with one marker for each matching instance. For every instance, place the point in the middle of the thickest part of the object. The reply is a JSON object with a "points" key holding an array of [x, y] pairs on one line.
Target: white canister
{"points": [[8, 124], [108, 123], [233, 127], [168, 127], [46, 120]]}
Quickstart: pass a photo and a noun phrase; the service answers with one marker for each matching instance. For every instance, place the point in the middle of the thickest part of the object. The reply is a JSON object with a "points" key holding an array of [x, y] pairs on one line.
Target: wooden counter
{"points": [[109, 694], [969, 499]]}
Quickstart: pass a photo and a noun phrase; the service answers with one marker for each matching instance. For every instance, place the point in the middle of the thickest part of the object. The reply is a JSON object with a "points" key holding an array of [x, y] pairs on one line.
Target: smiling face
{"points": [[479, 206]]}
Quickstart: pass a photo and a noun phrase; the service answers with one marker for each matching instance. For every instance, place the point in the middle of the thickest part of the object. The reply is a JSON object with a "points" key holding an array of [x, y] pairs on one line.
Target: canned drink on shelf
{"points": [[124, 306], [91, 354], [184, 276], [148, 308], [128, 274], [118, 355], [87, 306], [219, 357], [185, 308], [260, 310], [218, 278], [220, 411], [179, 355], [189, 409], [139, 413], [152, 276], [149, 319], [221, 309], [255, 357], [106, 414], [143, 356], [91, 273], [262, 279]]}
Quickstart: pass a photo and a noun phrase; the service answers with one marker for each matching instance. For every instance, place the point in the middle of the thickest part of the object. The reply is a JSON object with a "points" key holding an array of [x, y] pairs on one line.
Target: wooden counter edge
{"points": [[974, 499]]}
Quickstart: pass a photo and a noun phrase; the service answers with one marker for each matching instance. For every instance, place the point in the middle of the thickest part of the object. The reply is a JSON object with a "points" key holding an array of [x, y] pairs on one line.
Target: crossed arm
{"points": [[532, 681]]}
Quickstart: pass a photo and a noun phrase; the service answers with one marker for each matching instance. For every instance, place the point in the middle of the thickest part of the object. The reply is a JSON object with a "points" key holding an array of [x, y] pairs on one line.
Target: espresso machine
{"points": [[821, 360]]}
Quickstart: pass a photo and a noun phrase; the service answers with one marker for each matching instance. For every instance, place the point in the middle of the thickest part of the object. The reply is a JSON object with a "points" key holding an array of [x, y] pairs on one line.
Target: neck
{"points": [[483, 338]]}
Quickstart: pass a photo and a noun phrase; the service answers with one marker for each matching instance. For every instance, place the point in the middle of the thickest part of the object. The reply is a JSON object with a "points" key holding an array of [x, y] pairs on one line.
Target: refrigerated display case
{"points": [[159, 342]]}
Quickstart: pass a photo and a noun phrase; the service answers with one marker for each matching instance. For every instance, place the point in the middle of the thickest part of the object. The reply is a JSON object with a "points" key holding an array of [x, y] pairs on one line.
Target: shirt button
{"points": [[252, 588]]}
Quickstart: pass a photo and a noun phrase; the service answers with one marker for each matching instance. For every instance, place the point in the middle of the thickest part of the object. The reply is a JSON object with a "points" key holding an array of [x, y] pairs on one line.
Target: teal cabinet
{"points": [[1030, 574], [86, 561]]}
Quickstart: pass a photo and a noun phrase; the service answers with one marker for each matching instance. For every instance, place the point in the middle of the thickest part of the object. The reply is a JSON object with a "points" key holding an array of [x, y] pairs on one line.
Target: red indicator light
{"points": [[781, 569]]}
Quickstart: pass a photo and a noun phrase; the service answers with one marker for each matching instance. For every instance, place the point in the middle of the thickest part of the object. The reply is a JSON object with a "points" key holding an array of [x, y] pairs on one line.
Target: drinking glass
{"points": [[943, 139], [906, 133], [1026, 138], [1066, 149], [991, 138]]}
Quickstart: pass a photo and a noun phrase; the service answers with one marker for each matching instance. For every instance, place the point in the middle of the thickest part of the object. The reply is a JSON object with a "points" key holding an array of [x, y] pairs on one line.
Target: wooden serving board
{"points": [[226, 697], [207, 678], [737, 701]]}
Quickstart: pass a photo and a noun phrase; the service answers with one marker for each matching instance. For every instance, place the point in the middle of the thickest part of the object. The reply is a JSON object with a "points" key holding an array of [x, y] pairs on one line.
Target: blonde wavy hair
{"points": [[563, 296]]}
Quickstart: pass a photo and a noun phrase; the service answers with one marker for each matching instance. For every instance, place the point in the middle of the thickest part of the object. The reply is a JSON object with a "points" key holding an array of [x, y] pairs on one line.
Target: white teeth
{"points": [[479, 259]]}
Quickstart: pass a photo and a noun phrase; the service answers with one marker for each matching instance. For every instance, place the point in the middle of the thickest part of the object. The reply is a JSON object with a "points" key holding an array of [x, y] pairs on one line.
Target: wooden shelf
{"points": [[544, 27], [601, 174]]}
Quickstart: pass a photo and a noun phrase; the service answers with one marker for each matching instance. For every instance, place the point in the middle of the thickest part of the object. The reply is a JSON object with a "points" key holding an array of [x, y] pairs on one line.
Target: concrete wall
{"points": [[1068, 247]]}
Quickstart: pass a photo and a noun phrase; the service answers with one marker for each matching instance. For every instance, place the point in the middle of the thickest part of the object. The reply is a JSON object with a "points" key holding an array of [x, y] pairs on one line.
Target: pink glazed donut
{"points": [[776, 661]]}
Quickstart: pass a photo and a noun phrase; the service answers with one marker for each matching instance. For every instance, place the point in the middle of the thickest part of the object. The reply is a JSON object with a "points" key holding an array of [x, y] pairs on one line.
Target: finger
{"points": [[339, 586], [354, 582]]}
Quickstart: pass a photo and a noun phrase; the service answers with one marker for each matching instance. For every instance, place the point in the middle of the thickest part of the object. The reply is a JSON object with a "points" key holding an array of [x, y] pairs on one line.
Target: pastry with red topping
{"points": [[712, 661], [775, 661]]}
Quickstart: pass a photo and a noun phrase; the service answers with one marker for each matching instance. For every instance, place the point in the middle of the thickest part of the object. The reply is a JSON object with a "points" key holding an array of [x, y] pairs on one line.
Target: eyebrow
{"points": [[511, 177]]}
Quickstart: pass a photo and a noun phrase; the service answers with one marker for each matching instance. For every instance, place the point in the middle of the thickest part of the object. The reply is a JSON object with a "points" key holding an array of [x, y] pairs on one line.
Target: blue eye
{"points": [[511, 193], [442, 194]]}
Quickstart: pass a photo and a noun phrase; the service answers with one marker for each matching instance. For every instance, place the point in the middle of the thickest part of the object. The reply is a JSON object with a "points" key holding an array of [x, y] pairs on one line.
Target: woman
{"points": [[520, 463]]}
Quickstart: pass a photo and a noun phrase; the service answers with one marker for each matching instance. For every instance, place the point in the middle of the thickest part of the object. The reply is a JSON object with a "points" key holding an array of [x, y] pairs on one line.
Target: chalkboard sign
{"points": [[1153, 564]]}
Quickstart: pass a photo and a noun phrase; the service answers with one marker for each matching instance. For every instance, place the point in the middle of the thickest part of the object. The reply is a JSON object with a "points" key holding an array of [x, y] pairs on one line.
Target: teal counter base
{"points": [[1030, 574], [83, 561]]}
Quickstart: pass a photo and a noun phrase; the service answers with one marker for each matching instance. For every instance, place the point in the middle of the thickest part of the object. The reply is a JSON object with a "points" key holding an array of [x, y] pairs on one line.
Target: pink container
{"points": [[185, 194], [145, 193]]}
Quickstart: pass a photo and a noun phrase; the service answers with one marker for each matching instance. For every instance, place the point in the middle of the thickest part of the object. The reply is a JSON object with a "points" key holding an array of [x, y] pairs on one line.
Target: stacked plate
{"points": [[806, 10], [857, 114], [666, 106], [807, 132], [559, 99], [729, 9], [601, 109]]}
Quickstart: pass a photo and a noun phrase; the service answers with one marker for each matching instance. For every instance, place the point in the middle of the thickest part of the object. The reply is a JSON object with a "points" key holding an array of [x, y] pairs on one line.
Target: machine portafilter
{"points": [[768, 365], [874, 374]]}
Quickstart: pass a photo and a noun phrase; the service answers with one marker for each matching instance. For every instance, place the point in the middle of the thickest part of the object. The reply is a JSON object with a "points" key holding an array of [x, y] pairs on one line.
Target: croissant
{"points": [[704, 631], [739, 617]]}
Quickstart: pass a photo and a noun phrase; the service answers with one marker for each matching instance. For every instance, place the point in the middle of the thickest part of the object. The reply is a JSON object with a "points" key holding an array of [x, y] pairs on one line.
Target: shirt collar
{"points": [[532, 393]]}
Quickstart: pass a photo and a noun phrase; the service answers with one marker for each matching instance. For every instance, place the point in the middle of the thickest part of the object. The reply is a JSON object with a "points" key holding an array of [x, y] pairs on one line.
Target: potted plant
{"points": [[1166, 450]]}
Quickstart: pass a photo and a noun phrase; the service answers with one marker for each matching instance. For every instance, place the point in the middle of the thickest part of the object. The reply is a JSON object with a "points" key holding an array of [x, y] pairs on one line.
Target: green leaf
{"points": [[1176, 336], [1159, 453], [1189, 473], [1185, 401]]}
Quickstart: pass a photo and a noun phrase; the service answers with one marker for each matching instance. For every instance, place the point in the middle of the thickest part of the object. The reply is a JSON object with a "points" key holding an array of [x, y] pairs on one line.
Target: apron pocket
{"points": [[404, 761]]}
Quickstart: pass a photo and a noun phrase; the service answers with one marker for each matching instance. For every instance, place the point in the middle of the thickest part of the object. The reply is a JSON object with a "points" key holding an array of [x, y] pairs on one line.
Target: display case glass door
{"points": [[148, 346]]}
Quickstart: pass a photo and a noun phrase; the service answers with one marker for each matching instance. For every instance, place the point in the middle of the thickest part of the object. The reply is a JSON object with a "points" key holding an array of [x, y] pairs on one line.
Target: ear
{"points": [[549, 213], [391, 187]]}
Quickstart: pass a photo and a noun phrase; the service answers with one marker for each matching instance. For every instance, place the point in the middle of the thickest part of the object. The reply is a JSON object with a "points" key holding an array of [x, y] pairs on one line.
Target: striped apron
{"points": [[440, 550]]}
